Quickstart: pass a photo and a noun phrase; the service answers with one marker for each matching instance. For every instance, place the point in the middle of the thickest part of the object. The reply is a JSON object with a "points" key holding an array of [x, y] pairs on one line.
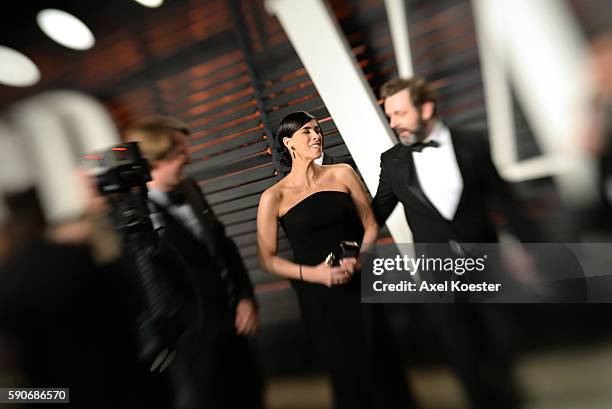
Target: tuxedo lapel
{"points": [[465, 161], [202, 210], [404, 165]]}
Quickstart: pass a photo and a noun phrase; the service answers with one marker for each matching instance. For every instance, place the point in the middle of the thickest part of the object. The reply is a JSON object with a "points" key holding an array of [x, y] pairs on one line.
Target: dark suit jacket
{"points": [[332, 160], [222, 261], [481, 185], [211, 353]]}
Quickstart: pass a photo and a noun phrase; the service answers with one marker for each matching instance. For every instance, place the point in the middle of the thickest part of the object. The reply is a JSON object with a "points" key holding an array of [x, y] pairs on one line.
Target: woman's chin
{"points": [[317, 155]]}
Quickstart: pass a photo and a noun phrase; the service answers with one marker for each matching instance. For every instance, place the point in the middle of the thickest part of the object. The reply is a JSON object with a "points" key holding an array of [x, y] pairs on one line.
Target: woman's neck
{"points": [[304, 173]]}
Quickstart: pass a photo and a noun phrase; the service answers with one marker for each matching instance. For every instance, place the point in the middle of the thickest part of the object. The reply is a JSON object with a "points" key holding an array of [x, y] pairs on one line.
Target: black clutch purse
{"points": [[347, 249]]}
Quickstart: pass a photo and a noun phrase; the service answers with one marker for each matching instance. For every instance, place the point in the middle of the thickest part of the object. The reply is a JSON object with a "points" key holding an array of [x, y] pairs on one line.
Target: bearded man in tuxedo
{"points": [[445, 179]]}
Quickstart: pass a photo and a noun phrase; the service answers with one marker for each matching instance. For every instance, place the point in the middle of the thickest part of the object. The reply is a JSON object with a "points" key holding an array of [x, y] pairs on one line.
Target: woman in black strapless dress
{"points": [[319, 207]]}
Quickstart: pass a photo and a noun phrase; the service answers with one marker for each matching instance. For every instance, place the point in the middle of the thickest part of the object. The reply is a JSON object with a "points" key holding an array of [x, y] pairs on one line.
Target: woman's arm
{"points": [[267, 249], [362, 204]]}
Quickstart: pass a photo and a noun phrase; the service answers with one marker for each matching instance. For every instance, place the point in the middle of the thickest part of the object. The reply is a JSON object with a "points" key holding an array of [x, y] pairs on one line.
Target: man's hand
{"points": [[351, 264], [247, 318]]}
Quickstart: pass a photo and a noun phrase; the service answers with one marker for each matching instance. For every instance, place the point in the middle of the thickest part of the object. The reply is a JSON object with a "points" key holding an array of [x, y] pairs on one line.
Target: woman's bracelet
{"points": [[301, 276]]}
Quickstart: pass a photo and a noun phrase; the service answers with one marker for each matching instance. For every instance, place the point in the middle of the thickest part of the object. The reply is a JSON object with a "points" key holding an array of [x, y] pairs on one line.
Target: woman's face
{"points": [[306, 142]]}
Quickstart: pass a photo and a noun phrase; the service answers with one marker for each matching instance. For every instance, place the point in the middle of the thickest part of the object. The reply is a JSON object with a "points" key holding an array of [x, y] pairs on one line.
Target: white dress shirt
{"points": [[184, 213], [438, 172]]}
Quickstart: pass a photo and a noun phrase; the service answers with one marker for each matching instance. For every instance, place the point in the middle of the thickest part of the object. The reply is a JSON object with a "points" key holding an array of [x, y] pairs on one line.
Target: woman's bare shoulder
{"points": [[273, 195], [340, 170]]}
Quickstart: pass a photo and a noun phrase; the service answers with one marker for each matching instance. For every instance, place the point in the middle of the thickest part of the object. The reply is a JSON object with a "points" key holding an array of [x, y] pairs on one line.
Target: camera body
{"points": [[121, 175], [125, 169]]}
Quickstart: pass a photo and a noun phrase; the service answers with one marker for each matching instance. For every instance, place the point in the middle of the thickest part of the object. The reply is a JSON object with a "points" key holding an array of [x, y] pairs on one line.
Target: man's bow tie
{"points": [[419, 146], [176, 198]]}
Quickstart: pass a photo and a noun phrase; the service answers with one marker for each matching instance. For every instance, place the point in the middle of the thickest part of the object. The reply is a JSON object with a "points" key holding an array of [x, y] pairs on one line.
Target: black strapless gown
{"points": [[354, 339], [316, 226]]}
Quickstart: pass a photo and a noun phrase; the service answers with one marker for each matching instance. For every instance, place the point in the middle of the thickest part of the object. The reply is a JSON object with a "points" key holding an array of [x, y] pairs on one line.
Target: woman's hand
{"points": [[351, 264], [328, 276]]}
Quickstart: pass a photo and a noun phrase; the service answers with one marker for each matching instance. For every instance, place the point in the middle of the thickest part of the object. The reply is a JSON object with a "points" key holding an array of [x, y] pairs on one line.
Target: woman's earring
{"points": [[293, 149]]}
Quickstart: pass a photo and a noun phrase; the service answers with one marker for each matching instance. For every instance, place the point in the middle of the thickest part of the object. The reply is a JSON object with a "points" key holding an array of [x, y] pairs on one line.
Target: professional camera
{"points": [[121, 175], [126, 169]]}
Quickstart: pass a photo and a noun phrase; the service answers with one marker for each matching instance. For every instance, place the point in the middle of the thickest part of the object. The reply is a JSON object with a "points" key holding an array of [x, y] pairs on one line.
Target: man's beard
{"points": [[418, 134]]}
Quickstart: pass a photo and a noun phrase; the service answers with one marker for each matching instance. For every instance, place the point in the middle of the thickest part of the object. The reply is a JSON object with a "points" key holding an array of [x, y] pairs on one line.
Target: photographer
{"points": [[214, 352], [67, 308]]}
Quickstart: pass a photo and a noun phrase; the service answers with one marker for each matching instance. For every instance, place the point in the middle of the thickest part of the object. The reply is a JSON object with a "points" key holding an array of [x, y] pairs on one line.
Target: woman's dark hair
{"points": [[288, 126]]}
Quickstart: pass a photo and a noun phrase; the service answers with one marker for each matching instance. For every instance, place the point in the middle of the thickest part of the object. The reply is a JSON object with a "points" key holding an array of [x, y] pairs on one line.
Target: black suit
{"points": [[481, 185], [214, 367], [222, 248], [465, 331], [332, 160]]}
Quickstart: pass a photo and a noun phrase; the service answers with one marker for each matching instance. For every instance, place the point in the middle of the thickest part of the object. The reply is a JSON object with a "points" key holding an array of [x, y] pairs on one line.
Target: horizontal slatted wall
{"points": [[444, 48], [179, 38], [232, 161], [213, 92], [364, 24]]}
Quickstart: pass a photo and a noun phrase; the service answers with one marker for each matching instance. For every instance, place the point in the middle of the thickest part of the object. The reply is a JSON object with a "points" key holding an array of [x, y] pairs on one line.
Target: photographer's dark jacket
{"points": [[208, 279], [215, 273]]}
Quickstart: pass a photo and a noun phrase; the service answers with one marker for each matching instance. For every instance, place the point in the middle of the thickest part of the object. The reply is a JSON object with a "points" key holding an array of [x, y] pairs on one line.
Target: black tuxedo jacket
{"points": [[217, 264], [332, 160], [481, 185]]}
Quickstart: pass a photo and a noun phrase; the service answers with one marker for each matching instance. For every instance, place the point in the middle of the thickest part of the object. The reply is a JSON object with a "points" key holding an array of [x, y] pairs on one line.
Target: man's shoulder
{"points": [[474, 141], [193, 193], [468, 135], [392, 151], [330, 159], [189, 183], [191, 186]]}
